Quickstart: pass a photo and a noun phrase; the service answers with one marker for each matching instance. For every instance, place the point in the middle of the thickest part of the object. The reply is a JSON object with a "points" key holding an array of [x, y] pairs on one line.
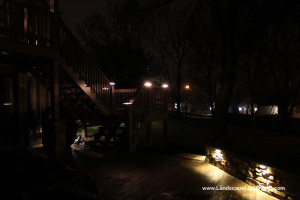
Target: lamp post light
{"points": [[165, 85]]}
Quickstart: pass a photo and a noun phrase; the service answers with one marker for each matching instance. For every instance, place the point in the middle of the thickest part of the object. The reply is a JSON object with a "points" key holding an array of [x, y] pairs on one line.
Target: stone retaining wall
{"points": [[272, 181]]}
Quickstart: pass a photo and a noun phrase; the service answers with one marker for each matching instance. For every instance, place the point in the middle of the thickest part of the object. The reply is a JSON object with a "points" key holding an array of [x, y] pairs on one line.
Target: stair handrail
{"points": [[82, 63]]}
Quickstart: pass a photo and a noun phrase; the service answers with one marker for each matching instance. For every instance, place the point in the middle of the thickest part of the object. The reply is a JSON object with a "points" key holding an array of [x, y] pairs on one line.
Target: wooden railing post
{"points": [[112, 96], [165, 121], [149, 123], [149, 100], [129, 126]]}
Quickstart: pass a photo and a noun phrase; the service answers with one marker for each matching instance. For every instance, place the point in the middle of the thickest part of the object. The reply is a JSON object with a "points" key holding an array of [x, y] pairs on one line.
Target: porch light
{"points": [[148, 84]]}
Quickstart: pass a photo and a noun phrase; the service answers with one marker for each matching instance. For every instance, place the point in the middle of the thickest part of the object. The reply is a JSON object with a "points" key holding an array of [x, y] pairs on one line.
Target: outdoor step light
{"points": [[129, 102]]}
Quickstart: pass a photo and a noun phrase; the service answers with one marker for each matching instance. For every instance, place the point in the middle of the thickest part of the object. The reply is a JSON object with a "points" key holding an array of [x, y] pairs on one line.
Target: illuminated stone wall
{"points": [[259, 175]]}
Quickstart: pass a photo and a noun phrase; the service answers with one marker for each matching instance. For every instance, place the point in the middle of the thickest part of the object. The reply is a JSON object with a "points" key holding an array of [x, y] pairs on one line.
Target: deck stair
{"points": [[84, 90]]}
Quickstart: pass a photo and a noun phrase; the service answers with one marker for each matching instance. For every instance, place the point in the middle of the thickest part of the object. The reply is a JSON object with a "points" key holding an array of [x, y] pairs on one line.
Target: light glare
{"points": [[148, 84], [165, 86]]}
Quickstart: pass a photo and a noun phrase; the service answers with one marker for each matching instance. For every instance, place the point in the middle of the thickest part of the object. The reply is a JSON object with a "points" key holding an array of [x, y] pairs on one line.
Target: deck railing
{"points": [[147, 102], [26, 23], [150, 100], [122, 96]]}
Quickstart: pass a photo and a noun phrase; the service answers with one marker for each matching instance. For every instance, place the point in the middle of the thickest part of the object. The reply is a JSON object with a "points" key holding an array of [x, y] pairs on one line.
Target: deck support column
{"points": [[149, 123], [54, 90], [59, 126]]}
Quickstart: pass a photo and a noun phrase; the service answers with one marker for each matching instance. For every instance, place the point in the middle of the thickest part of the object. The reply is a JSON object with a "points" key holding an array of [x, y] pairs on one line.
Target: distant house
{"points": [[263, 110]]}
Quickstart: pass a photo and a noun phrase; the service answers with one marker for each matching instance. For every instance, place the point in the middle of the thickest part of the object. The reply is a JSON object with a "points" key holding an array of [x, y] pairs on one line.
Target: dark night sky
{"points": [[76, 11]]}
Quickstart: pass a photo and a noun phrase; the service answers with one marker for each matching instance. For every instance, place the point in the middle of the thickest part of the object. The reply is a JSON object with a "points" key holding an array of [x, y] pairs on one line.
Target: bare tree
{"points": [[283, 53], [115, 41], [168, 36], [238, 28]]}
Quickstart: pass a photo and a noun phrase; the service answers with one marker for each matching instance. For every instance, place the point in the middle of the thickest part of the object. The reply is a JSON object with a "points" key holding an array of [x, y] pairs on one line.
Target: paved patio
{"points": [[147, 176]]}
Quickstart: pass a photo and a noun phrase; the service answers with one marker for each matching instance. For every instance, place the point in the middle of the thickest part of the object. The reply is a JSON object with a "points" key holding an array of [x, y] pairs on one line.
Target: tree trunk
{"points": [[252, 108], [178, 90], [178, 101], [223, 97], [226, 62], [284, 119]]}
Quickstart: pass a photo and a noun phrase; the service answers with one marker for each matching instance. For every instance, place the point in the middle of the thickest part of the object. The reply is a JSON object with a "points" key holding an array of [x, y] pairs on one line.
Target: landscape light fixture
{"points": [[218, 155], [187, 87], [148, 84]]}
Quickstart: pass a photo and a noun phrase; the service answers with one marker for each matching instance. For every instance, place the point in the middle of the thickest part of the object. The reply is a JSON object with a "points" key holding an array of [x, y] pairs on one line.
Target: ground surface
{"points": [[162, 172], [144, 176]]}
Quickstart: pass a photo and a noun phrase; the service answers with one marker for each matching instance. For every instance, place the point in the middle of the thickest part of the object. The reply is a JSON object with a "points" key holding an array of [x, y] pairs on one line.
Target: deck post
{"points": [[149, 123], [129, 130], [59, 126], [54, 89], [112, 97]]}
